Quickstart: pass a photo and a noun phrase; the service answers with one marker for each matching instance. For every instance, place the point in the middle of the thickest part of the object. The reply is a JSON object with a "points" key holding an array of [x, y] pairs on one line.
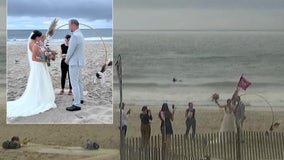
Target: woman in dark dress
{"points": [[145, 118], [190, 119], [64, 66], [166, 116]]}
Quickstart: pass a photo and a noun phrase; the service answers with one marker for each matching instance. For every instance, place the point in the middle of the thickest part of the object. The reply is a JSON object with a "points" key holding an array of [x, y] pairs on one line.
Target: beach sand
{"points": [[208, 120], [97, 108], [61, 141], [55, 141], [74, 136], [45, 152]]}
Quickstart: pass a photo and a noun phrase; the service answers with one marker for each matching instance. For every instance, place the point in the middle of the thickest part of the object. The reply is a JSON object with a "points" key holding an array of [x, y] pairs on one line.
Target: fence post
{"points": [[122, 136], [238, 149], [258, 145]]}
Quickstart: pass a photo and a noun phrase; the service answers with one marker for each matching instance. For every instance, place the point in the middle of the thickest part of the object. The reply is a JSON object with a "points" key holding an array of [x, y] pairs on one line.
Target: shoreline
{"points": [[207, 107], [56, 41], [201, 96]]}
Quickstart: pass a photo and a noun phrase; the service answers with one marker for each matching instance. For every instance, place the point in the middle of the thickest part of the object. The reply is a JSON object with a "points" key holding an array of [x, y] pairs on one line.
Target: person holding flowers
{"points": [[39, 93], [228, 123]]}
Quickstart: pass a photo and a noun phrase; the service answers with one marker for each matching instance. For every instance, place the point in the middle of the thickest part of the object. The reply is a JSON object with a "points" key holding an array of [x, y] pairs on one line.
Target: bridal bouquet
{"points": [[47, 56], [50, 55], [215, 97]]}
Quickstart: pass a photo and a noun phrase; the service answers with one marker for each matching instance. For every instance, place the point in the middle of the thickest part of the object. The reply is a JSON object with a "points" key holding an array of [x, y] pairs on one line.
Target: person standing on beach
{"points": [[75, 59], [124, 119], [190, 119], [39, 94], [64, 67], [228, 123], [239, 112], [145, 127], [166, 116]]}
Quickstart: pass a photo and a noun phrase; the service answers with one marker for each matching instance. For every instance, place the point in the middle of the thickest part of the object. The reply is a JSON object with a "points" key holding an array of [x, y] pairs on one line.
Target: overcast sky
{"points": [[199, 14], [37, 14], [149, 14]]}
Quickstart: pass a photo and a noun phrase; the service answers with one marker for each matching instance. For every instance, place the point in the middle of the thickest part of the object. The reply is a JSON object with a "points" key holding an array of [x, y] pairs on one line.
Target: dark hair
{"points": [[166, 111], [74, 22], [15, 138], [67, 36], [165, 107], [36, 33], [144, 108]]}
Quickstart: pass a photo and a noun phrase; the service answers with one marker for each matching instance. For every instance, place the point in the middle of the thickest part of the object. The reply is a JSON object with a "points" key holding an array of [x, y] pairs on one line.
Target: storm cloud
{"points": [[88, 9], [37, 14]]}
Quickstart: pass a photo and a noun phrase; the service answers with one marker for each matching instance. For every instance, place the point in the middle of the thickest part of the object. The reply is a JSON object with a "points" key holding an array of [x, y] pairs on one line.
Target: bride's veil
{"points": [[29, 40], [28, 49]]}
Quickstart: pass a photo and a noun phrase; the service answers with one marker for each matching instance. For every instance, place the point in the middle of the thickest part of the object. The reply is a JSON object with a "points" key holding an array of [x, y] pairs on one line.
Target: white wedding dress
{"points": [[39, 93], [228, 123]]}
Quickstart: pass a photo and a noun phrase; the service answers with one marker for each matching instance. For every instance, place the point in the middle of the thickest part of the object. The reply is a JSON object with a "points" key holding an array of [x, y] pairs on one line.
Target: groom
{"points": [[75, 59]]}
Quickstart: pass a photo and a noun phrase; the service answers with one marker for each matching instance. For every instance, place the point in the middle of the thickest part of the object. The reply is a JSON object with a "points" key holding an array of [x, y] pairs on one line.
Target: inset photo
{"points": [[59, 62]]}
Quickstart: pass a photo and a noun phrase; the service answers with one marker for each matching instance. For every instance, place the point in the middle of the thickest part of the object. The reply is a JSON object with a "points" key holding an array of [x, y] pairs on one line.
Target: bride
{"points": [[39, 94], [228, 123]]}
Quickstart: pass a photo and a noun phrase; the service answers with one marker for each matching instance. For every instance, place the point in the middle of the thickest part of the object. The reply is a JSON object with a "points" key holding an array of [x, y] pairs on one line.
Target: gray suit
{"points": [[240, 117], [240, 114], [76, 60]]}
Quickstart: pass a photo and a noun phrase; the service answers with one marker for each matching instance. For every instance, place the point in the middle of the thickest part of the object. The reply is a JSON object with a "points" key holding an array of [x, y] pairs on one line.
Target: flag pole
{"points": [[238, 139], [236, 92], [239, 81], [122, 136]]}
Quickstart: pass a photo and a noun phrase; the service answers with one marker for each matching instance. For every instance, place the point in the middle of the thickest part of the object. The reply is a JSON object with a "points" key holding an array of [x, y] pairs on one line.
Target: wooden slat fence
{"points": [[209, 146]]}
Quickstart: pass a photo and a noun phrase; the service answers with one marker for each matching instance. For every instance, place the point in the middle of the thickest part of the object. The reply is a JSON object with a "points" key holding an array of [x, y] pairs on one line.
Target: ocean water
{"points": [[205, 62], [90, 35]]}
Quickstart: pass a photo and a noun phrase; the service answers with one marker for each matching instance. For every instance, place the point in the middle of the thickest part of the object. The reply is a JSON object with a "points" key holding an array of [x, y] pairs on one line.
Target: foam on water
{"points": [[205, 62]]}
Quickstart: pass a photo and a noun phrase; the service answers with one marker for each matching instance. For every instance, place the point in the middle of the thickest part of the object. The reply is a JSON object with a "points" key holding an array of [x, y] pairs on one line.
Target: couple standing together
{"points": [[39, 93], [234, 113]]}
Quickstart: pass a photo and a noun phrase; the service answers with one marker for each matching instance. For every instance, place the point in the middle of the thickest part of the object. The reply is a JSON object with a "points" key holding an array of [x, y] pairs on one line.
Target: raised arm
{"points": [[234, 96], [218, 104]]}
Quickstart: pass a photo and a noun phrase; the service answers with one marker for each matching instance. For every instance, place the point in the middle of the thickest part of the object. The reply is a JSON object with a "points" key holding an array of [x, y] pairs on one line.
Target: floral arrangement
{"points": [[49, 55], [215, 97]]}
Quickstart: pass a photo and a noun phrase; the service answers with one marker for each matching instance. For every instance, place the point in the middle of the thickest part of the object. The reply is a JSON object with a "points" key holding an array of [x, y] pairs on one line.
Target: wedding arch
{"points": [[274, 122], [97, 33], [99, 74]]}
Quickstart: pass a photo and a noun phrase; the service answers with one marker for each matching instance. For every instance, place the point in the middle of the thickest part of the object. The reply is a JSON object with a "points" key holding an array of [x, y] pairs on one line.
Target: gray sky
{"points": [[37, 14], [199, 14]]}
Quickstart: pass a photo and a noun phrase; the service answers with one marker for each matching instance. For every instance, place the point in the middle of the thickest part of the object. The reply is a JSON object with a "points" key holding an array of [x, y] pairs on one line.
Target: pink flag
{"points": [[243, 83]]}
